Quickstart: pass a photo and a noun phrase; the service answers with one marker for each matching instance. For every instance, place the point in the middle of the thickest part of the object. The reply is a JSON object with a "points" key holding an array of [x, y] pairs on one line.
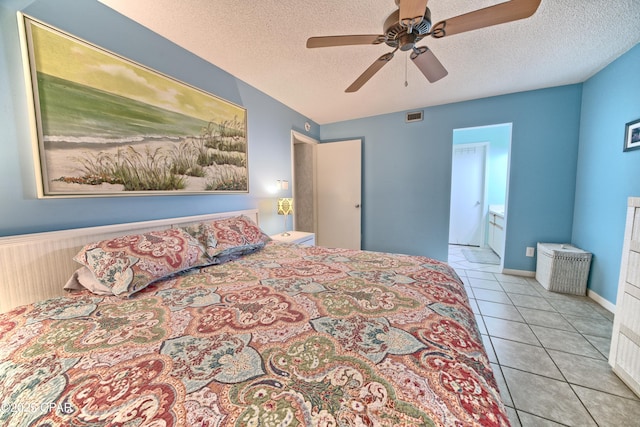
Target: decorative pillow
{"points": [[83, 278], [227, 237], [129, 263]]}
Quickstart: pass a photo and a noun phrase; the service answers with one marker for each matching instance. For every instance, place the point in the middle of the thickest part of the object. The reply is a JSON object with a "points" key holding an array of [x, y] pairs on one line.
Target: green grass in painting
{"points": [[228, 135], [184, 160], [136, 171], [163, 170], [227, 182]]}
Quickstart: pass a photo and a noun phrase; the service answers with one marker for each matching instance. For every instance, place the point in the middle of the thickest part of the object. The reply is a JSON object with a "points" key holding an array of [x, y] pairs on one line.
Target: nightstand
{"points": [[299, 237]]}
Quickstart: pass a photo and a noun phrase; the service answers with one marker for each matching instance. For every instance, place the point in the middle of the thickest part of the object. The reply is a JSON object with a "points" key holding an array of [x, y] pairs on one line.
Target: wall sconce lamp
{"points": [[285, 207]]}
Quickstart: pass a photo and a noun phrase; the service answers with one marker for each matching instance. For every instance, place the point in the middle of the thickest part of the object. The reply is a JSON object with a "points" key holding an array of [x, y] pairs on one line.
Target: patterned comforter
{"points": [[286, 336]]}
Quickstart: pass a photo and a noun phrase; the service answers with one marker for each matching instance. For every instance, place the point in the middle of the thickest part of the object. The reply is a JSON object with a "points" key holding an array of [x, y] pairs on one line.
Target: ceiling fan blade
{"points": [[427, 62], [369, 72], [411, 12], [329, 41], [493, 15]]}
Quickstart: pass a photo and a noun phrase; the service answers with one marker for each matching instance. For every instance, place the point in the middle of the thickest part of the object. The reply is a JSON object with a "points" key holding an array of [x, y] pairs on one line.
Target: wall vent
{"points": [[414, 116]]}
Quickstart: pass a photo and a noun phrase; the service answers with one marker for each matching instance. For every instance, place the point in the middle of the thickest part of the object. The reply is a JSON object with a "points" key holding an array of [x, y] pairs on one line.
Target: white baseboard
{"points": [[602, 301], [523, 273]]}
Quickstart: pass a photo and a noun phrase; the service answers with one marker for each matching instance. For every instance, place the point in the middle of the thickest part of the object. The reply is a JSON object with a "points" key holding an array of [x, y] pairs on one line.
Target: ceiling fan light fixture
{"points": [[407, 42]]}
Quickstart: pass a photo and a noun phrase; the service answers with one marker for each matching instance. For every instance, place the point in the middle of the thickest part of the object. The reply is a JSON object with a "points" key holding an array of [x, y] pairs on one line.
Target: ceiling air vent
{"points": [[414, 116]]}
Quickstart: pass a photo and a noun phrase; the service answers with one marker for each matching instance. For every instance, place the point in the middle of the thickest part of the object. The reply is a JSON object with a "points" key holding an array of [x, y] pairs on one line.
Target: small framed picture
{"points": [[632, 135]]}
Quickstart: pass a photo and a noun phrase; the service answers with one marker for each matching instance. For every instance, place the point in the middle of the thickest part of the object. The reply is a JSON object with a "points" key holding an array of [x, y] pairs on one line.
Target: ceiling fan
{"points": [[412, 22]]}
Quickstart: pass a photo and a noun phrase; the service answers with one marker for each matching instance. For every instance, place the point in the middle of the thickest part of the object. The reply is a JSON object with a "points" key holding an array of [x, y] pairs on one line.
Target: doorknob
{"points": [[358, 206]]}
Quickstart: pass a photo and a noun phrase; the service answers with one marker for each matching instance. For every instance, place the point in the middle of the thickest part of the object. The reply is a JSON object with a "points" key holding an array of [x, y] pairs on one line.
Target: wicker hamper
{"points": [[563, 268]]}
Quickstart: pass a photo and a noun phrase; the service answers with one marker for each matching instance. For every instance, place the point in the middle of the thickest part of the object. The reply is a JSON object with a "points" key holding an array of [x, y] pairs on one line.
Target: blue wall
{"points": [[269, 125], [606, 175], [407, 171]]}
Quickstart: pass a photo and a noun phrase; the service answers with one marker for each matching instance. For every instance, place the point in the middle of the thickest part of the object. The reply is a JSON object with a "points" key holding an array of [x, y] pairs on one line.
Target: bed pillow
{"points": [[83, 278], [130, 263], [227, 238]]}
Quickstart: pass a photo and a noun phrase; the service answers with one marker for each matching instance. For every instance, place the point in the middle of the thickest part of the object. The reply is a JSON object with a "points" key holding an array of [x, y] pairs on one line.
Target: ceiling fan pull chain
{"points": [[406, 66]]}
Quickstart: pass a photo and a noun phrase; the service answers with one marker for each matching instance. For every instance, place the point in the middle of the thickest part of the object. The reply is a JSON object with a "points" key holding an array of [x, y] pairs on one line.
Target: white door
{"points": [[338, 180], [467, 194]]}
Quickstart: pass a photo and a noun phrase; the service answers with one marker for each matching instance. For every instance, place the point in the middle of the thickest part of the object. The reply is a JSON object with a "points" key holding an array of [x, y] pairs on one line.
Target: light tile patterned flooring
{"points": [[548, 350]]}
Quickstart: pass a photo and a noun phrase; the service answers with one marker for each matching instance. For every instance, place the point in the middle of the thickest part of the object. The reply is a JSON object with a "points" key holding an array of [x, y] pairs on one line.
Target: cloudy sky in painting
{"points": [[63, 56]]}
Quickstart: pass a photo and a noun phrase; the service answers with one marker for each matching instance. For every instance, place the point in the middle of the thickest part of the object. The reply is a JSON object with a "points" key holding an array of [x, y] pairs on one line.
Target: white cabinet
{"points": [[624, 355], [496, 233], [299, 237]]}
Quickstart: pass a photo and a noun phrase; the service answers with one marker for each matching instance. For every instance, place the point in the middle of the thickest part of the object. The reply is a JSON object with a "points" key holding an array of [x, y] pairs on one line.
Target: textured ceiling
{"points": [[262, 42]]}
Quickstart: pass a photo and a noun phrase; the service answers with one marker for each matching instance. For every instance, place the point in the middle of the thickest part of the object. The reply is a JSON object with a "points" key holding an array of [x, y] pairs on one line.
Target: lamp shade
{"points": [[285, 206]]}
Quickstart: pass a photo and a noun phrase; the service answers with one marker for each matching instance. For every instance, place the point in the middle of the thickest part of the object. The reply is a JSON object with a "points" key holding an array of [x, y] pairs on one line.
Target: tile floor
{"points": [[548, 350]]}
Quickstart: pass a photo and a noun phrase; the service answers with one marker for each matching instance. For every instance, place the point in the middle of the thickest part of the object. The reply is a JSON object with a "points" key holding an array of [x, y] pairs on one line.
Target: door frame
{"points": [[507, 176], [351, 236], [299, 138]]}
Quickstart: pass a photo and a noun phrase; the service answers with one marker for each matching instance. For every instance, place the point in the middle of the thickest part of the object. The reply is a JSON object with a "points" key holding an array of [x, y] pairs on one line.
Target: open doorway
{"points": [[480, 172], [327, 187], [304, 185]]}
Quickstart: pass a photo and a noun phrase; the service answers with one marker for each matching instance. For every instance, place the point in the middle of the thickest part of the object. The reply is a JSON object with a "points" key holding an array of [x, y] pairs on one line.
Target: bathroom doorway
{"points": [[495, 170]]}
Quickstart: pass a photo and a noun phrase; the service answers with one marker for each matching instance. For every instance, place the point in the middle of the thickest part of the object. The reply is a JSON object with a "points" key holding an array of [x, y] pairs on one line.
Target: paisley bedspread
{"points": [[287, 336]]}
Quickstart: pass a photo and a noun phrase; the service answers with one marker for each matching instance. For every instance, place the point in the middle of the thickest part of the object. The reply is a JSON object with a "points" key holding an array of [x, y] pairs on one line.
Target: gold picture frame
{"points": [[104, 125]]}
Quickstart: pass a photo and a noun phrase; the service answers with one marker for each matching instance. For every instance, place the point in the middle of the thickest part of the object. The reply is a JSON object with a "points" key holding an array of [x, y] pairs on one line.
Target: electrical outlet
{"points": [[531, 251]]}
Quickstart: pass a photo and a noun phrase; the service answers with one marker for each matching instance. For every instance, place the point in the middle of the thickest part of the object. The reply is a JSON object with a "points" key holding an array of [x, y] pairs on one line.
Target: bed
{"points": [[205, 321]]}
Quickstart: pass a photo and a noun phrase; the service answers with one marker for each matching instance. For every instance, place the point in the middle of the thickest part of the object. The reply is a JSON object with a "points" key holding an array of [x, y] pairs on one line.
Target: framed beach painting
{"points": [[107, 126], [632, 135]]}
